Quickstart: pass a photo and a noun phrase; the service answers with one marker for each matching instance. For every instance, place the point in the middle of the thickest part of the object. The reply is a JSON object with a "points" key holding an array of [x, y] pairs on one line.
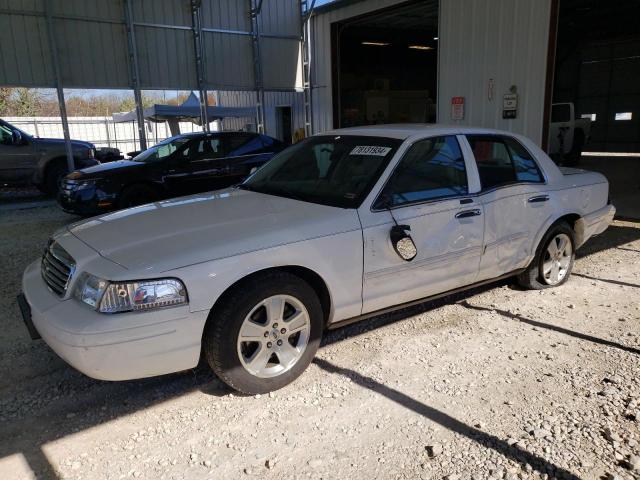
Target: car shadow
{"points": [[616, 236], [555, 328], [607, 280], [484, 439]]}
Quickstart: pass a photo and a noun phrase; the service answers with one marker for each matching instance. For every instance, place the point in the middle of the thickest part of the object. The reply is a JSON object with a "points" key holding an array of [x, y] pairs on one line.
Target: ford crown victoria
{"points": [[337, 228]]}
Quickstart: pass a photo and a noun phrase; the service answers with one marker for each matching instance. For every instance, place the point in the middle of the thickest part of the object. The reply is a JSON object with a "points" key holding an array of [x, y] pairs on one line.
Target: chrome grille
{"points": [[57, 268]]}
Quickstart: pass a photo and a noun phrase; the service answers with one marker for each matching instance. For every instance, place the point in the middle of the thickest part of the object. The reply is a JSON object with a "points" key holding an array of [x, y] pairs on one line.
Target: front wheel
{"points": [[264, 333], [55, 173], [554, 259]]}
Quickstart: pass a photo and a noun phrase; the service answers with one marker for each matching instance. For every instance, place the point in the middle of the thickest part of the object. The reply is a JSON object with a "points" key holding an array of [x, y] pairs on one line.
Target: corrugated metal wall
{"points": [[503, 40], [479, 40], [92, 44], [271, 101]]}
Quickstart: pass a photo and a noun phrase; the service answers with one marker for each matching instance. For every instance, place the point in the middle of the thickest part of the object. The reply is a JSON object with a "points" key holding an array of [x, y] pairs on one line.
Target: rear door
{"points": [[510, 183], [429, 192], [245, 153]]}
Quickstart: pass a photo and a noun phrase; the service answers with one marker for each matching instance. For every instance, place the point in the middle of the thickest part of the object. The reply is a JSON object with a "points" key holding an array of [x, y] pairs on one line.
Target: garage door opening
{"points": [[597, 70], [385, 66]]}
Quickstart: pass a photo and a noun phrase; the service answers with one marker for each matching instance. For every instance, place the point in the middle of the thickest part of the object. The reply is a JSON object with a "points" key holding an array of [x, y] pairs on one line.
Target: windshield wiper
{"points": [[269, 190]]}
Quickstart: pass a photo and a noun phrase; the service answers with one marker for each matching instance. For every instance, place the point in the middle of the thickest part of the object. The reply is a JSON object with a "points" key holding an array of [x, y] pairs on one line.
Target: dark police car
{"points": [[179, 165]]}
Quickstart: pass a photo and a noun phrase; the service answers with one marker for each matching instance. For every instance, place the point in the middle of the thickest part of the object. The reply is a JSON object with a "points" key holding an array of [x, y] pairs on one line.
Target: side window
{"points": [[494, 162], [208, 148], [526, 168], [243, 144], [430, 169]]}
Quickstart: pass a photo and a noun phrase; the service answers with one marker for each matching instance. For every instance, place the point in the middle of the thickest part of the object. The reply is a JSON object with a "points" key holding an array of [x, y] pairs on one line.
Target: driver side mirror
{"points": [[16, 137], [403, 243]]}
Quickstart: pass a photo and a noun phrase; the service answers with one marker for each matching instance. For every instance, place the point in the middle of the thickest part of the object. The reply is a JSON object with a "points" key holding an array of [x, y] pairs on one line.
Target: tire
{"points": [[54, 174], [135, 195], [537, 276], [244, 309]]}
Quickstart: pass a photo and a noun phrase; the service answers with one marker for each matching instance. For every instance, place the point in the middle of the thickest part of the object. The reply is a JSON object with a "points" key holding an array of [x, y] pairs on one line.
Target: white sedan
{"points": [[337, 228]]}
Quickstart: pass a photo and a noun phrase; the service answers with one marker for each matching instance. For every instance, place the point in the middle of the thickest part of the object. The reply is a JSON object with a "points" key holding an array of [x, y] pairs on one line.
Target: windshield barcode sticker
{"points": [[370, 150]]}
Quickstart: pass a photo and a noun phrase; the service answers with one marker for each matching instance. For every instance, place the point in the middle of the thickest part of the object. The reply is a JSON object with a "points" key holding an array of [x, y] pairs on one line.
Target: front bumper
{"points": [[84, 201], [122, 346]]}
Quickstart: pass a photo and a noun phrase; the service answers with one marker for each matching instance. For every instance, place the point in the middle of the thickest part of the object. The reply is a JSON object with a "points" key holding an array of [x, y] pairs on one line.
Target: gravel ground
{"points": [[495, 383]]}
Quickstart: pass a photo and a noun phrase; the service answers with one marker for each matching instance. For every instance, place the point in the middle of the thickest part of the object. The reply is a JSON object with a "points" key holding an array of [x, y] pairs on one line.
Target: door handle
{"points": [[469, 213], [538, 199]]}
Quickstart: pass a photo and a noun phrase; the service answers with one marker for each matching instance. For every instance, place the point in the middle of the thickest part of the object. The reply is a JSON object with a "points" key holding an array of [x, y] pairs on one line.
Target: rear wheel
{"points": [[265, 333], [137, 195], [554, 259]]}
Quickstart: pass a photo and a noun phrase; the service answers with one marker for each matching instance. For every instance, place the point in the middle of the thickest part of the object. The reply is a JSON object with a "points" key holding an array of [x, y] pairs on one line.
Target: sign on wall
{"points": [[457, 108], [510, 105]]}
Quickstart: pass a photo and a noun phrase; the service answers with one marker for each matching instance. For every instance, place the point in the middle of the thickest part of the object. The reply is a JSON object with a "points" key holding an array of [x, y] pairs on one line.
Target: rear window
{"points": [[502, 161]]}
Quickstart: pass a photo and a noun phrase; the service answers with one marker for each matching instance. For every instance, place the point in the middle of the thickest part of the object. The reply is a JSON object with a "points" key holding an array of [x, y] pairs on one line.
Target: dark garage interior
{"points": [[598, 69], [385, 66]]}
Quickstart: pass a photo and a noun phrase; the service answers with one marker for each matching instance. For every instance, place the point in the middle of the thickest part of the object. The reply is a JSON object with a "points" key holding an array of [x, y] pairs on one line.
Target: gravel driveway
{"points": [[495, 383]]}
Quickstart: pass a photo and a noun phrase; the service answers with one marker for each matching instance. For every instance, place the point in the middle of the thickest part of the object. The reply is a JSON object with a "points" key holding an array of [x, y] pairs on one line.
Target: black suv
{"points": [[180, 165], [39, 161]]}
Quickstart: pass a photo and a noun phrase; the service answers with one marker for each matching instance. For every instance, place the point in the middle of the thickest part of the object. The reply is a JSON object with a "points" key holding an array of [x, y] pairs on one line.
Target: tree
{"points": [[5, 96], [26, 102]]}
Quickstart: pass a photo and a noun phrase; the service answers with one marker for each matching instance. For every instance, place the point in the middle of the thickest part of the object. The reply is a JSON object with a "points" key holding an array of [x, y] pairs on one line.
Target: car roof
{"points": [[405, 130]]}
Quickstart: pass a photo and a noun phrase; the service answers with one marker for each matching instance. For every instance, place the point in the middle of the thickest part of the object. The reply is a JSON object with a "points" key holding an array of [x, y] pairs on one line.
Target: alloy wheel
{"points": [[557, 259], [273, 336]]}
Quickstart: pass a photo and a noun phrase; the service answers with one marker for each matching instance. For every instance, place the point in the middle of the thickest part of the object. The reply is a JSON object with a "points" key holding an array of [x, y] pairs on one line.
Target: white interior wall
{"points": [[487, 46]]}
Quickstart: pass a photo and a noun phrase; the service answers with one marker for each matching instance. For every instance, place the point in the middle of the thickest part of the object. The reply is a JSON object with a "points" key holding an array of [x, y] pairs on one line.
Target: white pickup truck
{"points": [[338, 228], [567, 134]]}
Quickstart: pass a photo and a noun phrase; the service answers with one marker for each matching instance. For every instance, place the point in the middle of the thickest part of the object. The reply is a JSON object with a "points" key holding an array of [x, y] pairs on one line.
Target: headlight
{"points": [[90, 289], [85, 184], [118, 297]]}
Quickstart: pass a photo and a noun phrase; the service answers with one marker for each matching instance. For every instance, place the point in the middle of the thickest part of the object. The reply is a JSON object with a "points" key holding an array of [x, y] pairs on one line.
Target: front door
{"points": [[428, 191], [200, 166], [17, 162]]}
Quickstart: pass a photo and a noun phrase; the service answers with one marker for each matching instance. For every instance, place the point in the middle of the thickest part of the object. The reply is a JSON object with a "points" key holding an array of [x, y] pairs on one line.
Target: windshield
{"points": [[332, 170], [161, 150]]}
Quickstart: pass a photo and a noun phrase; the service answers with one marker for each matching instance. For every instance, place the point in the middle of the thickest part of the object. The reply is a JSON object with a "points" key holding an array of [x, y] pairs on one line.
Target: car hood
{"points": [[60, 141], [102, 169], [184, 231]]}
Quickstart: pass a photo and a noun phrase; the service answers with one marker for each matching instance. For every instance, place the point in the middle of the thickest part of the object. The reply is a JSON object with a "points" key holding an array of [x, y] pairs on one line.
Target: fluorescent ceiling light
{"points": [[624, 116], [435, 38], [376, 44], [420, 47]]}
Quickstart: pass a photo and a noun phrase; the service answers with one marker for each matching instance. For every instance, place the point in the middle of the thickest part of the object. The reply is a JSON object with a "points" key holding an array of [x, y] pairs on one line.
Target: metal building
{"points": [[198, 45], [484, 53]]}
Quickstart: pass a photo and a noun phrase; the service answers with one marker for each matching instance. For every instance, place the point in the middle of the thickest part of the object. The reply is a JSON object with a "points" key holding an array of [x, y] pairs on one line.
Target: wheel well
{"points": [[312, 278], [577, 225], [52, 162], [152, 185], [570, 218]]}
